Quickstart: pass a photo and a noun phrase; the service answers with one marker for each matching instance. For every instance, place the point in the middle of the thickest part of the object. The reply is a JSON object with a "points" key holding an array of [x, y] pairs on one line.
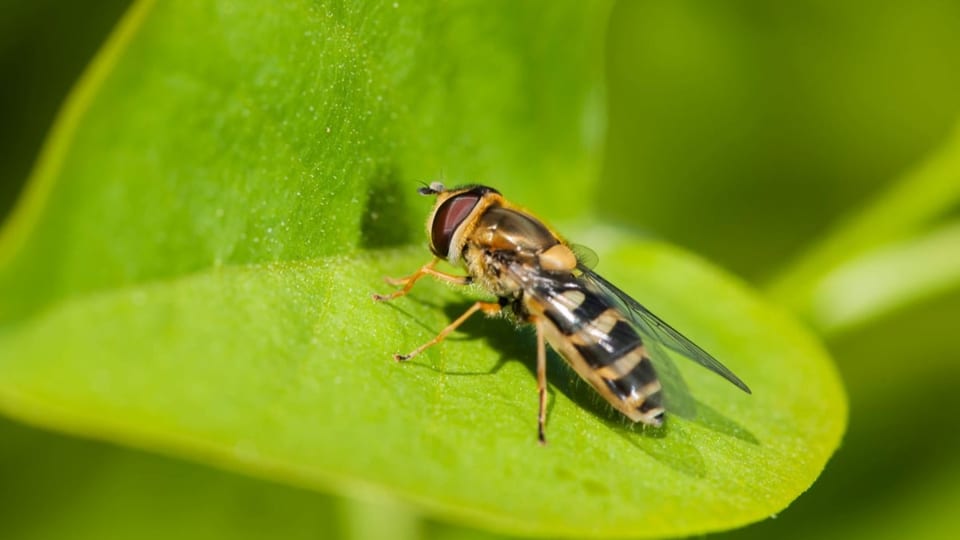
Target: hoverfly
{"points": [[603, 334]]}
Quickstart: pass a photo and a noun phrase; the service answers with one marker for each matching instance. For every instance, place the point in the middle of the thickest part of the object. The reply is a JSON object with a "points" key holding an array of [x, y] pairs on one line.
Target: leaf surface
{"points": [[284, 370]]}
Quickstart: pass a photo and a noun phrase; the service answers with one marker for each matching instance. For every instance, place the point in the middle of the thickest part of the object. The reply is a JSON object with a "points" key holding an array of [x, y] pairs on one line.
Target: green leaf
{"points": [[248, 132], [887, 278], [258, 368], [887, 236], [192, 267]]}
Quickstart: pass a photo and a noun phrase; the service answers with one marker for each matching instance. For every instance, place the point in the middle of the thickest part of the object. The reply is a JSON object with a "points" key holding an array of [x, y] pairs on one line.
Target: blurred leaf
{"points": [[44, 45], [746, 129], [891, 474], [930, 512], [883, 247], [191, 272], [55, 487], [444, 531], [887, 278]]}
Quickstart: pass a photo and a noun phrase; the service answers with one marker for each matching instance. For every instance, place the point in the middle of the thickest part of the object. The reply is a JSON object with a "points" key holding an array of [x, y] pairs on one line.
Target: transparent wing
{"points": [[655, 328], [586, 257]]}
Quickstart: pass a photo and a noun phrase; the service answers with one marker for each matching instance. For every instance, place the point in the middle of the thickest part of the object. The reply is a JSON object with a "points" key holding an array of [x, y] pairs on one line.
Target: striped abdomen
{"points": [[593, 335]]}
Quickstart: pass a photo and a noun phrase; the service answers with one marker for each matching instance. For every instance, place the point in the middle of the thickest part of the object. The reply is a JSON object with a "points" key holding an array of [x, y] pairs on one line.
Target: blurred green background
{"points": [[749, 132]]}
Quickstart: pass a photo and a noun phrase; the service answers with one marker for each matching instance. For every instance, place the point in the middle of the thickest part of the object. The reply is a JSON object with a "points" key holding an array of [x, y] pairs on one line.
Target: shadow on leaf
{"points": [[386, 219], [519, 344]]}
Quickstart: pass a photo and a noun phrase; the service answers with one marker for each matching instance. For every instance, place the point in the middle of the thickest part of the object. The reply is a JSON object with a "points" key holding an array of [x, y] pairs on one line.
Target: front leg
{"points": [[490, 308], [407, 282]]}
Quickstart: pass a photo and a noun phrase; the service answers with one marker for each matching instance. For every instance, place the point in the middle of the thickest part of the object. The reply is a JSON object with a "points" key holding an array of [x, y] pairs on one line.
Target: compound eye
{"points": [[448, 217]]}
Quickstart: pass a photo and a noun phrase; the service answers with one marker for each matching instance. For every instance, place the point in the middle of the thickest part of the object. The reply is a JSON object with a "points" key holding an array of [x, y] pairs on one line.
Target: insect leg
{"points": [[490, 308], [407, 282], [541, 383]]}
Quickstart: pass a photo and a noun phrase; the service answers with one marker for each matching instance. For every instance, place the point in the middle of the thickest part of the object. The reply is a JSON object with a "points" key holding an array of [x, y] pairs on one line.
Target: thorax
{"points": [[504, 238]]}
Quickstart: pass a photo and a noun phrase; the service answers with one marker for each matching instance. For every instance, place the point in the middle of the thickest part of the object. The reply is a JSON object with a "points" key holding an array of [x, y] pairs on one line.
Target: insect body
{"points": [[598, 329]]}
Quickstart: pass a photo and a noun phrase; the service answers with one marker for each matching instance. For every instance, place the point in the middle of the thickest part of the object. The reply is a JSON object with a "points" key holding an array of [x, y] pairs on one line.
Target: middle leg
{"points": [[426, 270], [541, 383]]}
